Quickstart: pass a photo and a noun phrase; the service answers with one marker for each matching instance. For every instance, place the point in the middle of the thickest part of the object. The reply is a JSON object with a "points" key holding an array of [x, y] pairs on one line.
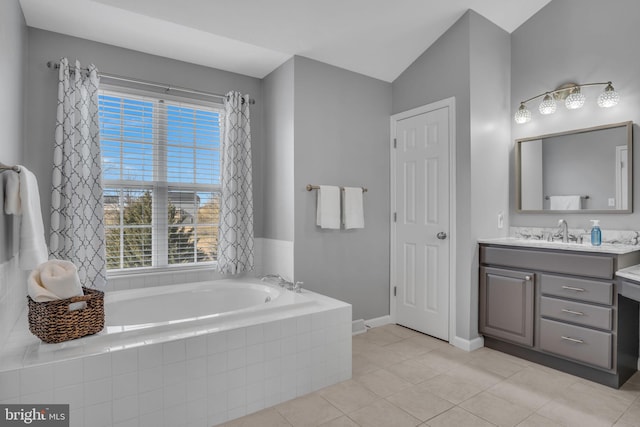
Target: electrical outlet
{"points": [[612, 202], [500, 220]]}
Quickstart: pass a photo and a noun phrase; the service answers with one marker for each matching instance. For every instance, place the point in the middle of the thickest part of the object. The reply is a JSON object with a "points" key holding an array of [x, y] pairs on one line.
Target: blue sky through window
{"points": [[128, 128], [126, 136]]}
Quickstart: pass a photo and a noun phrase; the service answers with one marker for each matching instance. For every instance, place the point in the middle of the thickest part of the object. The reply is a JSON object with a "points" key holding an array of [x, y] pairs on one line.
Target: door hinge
{"points": [[395, 291], [395, 217], [395, 143]]}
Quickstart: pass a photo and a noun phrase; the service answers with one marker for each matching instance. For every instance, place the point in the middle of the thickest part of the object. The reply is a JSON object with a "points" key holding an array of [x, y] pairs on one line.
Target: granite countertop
{"points": [[631, 273], [608, 248]]}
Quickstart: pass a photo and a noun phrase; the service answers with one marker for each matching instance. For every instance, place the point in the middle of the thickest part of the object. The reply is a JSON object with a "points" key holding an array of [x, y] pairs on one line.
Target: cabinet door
{"points": [[506, 304]]}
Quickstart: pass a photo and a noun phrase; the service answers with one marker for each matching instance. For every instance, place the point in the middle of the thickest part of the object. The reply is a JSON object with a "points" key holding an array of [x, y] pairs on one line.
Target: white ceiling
{"points": [[378, 38]]}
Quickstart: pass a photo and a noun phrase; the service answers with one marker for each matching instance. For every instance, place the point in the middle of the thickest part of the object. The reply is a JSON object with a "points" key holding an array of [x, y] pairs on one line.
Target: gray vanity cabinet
{"points": [[559, 308], [577, 319], [506, 304]]}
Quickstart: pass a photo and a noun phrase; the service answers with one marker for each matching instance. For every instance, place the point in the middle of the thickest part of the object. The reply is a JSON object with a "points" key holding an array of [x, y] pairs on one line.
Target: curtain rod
{"points": [[55, 65]]}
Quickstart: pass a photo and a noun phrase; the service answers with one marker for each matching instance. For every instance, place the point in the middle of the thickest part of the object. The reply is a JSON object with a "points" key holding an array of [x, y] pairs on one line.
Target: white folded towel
{"points": [[564, 203], [352, 208], [12, 195], [54, 280], [328, 208], [22, 198]]}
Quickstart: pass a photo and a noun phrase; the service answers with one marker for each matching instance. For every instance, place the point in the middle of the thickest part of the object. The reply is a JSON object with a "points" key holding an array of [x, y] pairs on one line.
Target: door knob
{"points": [[441, 235]]}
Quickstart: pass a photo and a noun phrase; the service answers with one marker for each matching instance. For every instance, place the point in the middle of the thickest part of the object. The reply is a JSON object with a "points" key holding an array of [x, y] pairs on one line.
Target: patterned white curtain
{"points": [[235, 235], [77, 226]]}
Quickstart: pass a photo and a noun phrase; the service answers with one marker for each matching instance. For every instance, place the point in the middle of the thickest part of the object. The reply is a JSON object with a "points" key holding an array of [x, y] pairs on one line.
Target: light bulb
{"points": [[548, 105], [608, 98], [575, 100], [522, 115]]}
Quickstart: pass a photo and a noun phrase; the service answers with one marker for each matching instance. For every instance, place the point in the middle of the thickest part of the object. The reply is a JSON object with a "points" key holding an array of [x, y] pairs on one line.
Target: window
{"points": [[161, 178]]}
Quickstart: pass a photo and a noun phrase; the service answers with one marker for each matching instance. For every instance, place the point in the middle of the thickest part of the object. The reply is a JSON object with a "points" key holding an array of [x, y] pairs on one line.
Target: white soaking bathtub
{"points": [[191, 354], [212, 302]]}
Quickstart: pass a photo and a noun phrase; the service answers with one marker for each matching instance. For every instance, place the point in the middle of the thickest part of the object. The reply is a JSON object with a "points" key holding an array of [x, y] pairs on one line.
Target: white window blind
{"points": [[161, 178]]}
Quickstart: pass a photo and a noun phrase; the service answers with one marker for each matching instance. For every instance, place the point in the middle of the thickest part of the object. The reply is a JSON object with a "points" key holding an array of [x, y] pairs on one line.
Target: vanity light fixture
{"points": [[572, 96], [575, 99], [523, 115], [548, 105], [608, 98]]}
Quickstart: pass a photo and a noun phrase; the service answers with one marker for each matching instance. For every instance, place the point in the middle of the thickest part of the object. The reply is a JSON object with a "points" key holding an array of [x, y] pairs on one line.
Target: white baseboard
{"points": [[378, 321], [358, 327], [467, 345]]}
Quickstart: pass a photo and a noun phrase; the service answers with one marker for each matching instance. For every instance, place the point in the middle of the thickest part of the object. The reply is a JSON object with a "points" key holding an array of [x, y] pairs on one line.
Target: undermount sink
{"points": [[568, 246]]}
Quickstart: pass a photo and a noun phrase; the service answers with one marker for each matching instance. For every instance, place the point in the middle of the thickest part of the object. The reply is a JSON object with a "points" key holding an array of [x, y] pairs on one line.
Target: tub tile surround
{"points": [[13, 296], [200, 378]]}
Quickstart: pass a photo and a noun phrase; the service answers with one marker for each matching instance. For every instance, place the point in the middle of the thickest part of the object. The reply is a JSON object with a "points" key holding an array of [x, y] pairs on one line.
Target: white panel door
{"points": [[422, 222]]}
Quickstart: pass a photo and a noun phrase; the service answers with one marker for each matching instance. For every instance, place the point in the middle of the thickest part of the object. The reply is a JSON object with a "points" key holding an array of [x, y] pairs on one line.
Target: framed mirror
{"points": [[584, 170]]}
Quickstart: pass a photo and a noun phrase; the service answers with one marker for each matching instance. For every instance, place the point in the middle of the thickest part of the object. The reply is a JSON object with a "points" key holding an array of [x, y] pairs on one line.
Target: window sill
{"points": [[142, 278], [135, 272]]}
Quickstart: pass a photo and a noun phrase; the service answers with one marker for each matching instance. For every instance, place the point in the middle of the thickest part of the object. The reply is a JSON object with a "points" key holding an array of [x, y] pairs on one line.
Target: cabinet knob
{"points": [[527, 278]]}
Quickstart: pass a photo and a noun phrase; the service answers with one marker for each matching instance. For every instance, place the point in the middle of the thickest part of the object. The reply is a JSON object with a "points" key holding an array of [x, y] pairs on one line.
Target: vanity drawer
{"points": [[549, 260], [580, 289], [576, 312], [577, 343]]}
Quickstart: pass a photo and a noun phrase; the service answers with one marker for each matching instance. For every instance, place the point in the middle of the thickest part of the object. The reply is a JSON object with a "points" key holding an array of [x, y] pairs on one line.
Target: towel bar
{"points": [[4, 167], [316, 187], [582, 197]]}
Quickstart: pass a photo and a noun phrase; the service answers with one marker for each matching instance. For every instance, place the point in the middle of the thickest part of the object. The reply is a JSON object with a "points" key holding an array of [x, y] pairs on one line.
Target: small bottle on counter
{"points": [[596, 233]]}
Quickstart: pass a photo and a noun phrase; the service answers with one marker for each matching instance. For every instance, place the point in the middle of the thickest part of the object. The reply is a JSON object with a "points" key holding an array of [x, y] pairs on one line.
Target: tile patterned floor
{"points": [[403, 378]]}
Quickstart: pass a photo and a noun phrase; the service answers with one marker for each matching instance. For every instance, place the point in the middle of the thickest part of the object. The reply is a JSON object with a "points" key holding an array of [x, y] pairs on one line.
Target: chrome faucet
{"points": [[295, 287], [565, 230], [281, 280]]}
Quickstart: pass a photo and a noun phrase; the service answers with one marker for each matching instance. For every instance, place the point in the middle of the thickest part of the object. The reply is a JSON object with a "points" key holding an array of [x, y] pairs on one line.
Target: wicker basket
{"points": [[53, 322]]}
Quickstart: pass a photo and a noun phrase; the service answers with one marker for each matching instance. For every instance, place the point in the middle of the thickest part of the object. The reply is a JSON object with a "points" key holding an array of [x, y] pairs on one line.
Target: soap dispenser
{"points": [[596, 234]]}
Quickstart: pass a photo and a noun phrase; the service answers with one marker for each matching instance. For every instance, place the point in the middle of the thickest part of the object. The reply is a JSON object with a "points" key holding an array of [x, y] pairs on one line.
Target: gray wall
{"points": [[443, 71], [342, 138], [42, 91], [13, 51], [278, 94], [489, 151], [577, 41], [13, 56], [471, 63]]}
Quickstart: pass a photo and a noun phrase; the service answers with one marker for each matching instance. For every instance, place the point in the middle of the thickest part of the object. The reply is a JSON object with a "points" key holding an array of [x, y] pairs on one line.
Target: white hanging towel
{"points": [[352, 208], [12, 195], [564, 203], [328, 208], [23, 198]]}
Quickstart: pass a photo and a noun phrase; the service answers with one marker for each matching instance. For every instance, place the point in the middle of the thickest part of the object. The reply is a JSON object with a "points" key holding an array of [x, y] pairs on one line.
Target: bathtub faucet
{"points": [[296, 287], [281, 280]]}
